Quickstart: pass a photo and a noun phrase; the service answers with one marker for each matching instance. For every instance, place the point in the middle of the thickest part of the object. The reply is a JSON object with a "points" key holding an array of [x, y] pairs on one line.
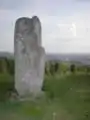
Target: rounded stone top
{"points": [[23, 24], [27, 26], [27, 19], [35, 19], [21, 19]]}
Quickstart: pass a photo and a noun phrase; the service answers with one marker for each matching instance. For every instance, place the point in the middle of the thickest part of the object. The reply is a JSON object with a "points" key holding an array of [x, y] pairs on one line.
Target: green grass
{"points": [[6, 84], [68, 98]]}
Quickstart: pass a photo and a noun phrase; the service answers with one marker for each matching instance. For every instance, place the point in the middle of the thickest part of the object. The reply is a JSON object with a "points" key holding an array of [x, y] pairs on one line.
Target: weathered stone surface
{"points": [[29, 56]]}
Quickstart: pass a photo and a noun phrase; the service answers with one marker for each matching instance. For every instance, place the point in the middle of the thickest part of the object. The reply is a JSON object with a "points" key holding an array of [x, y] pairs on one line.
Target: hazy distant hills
{"points": [[6, 54], [79, 58]]}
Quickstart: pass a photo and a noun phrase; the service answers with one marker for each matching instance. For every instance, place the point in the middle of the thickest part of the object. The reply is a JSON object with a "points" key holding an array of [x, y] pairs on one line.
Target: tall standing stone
{"points": [[29, 56]]}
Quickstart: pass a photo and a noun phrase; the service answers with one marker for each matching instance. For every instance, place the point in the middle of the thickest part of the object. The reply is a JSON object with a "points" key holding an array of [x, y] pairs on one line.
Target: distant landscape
{"points": [[66, 86], [83, 59]]}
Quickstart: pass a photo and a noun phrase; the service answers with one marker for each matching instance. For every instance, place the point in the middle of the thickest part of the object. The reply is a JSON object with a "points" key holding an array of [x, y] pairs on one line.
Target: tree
{"points": [[72, 68], [56, 67], [10, 66]]}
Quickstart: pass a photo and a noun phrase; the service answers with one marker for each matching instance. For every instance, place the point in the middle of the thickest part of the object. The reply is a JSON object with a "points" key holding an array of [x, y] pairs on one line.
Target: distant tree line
{"points": [[7, 65], [51, 67], [61, 67]]}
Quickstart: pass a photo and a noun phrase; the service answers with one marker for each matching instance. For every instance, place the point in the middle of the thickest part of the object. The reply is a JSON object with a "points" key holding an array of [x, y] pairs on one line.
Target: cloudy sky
{"points": [[65, 23]]}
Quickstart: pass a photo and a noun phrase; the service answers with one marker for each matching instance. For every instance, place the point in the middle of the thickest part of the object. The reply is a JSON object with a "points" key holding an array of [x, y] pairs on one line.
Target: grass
{"points": [[67, 98], [6, 84]]}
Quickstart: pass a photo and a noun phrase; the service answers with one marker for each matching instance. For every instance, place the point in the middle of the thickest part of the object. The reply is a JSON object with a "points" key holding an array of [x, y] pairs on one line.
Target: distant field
{"points": [[67, 98]]}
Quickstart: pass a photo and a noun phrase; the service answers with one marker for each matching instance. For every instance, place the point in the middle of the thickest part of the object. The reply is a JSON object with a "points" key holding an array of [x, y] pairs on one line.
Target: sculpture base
{"points": [[32, 97]]}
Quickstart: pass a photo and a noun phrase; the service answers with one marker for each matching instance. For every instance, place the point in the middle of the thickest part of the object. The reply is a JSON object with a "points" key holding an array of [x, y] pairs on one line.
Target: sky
{"points": [[65, 23]]}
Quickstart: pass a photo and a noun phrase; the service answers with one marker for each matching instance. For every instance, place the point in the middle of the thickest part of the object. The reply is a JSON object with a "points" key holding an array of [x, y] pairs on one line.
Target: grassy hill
{"points": [[67, 94], [67, 98]]}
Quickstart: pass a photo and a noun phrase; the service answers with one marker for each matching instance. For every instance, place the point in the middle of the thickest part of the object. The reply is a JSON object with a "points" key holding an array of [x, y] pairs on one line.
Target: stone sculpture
{"points": [[29, 56]]}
